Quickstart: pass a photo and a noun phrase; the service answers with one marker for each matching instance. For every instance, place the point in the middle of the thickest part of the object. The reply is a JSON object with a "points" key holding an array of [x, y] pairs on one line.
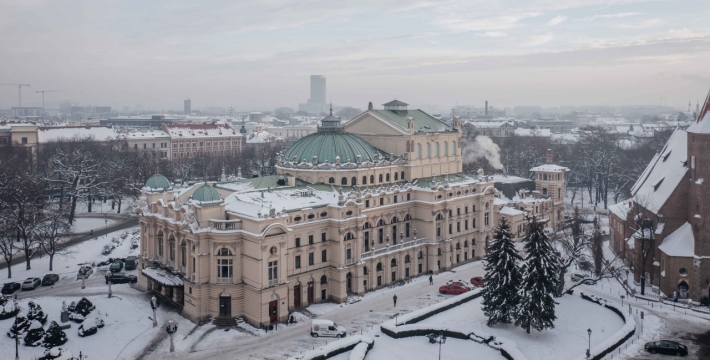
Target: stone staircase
{"points": [[224, 321]]}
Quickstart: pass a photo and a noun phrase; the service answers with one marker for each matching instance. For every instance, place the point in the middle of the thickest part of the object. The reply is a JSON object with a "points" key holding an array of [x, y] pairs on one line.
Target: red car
{"points": [[478, 280], [452, 289]]}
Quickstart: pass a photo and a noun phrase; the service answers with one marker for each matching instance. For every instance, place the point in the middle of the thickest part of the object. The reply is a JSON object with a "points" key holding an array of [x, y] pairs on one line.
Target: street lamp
{"points": [[17, 336], [171, 329], [106, 222], [154, 305], [442, 340], [589, 349]]}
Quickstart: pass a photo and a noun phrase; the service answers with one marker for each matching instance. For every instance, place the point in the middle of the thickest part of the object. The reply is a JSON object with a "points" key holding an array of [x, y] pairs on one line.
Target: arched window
{"points": [[331, 181], [387, 177], [544, 191], [446, 148], [379, 266], [393, 262], [394, 220], [364, 270], [419, 151], [372, 179], [353, 181], [349, 236], [367, 225], [438, 251], [436, 149], [224, 252], [323, 280], [420, 255], [396, 177], [458, 246], [453, 148], [402, 175], [407, 217], [380, 177], [364, 180], [381, 223], [439, 217], [344, 181], [465, 243], [406, 259], [428, 150]]}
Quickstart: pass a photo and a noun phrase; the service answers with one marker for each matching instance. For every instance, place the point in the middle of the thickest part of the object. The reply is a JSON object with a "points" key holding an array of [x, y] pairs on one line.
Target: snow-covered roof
{"points": [[49, 134], [621, 209], [490, 125], [663, 173], [150, 134], [164, 277], [200, 130], [702, 126], [508, 179], [254, 202], [505, 210], [680, 242], [532, 132], [550, 168]]}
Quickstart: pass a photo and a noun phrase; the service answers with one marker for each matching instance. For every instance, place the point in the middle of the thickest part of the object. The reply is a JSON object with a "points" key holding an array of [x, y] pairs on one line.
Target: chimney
{"points": [[486, 107], [548, 158]]}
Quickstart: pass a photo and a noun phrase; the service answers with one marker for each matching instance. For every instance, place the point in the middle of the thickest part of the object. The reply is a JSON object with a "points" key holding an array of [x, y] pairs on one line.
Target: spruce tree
{"points": [[536, 307], [502, 280]]}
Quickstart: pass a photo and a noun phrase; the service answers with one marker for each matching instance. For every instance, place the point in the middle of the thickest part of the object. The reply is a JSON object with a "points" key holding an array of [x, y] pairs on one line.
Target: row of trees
{"points": [[41, 189], [603, 165]]}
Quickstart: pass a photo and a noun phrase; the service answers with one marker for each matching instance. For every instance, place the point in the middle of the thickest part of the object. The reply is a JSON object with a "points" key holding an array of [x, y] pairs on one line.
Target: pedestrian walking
{"points": [[395, 300], [431, 280]]}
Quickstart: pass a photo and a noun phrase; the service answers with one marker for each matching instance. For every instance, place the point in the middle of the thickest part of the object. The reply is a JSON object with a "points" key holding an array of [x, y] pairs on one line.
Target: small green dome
{"points": [[158, 183], [206, 194], [329, 145]]}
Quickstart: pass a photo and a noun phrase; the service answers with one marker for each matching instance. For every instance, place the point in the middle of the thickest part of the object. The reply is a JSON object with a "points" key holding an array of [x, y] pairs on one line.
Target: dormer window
{"points": [[657, 184], [665, 157]]}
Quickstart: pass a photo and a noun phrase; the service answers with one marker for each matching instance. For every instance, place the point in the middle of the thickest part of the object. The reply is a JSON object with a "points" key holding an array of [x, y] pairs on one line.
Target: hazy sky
{"points": [[260, 54]]}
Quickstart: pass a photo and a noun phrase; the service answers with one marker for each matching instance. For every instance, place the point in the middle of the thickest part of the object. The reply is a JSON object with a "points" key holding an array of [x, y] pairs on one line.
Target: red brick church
{"points": [[669, 212]]}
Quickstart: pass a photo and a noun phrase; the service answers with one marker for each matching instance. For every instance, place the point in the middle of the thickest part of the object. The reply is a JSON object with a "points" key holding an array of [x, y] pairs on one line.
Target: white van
{"points": [[327, 328]]}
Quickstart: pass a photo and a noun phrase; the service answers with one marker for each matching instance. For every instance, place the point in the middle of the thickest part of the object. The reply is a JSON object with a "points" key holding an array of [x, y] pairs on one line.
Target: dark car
{"points": [[50, 279], [10, 288], [116, 266], [666, 347], [577, 277], [121, 278], [478, 280], [31, 283], [84, 272], [453, 289], [131, 262]]}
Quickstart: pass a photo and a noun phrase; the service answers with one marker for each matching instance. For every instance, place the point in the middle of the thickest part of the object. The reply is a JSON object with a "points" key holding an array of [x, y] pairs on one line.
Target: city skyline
{"points": [[545, 53]]}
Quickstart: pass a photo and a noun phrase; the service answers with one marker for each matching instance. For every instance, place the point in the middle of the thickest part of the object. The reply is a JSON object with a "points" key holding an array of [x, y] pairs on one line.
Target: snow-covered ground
{"points": [[67, 265], [418, 347], [84, 225]]}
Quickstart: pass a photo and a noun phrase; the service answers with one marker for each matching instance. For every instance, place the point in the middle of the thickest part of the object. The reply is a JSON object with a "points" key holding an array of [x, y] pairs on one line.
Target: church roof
{"points": [[207, 195], [158, 183], [395, 103], [423, 122], [680, 242], [329, 145]]}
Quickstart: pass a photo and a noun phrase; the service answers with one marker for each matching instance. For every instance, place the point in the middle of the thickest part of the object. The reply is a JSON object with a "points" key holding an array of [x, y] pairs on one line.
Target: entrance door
{"points": [[297, 295], [310, 292], [349, 281], [273, 310], [225, 305]]}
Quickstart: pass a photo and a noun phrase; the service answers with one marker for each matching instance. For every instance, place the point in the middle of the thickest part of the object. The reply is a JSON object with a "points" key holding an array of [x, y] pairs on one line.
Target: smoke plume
{"points": [[483, 147]]}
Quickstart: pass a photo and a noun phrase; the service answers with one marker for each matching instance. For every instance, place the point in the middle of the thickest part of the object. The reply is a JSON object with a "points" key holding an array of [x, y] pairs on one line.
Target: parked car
{"points": [[116, 266], [666, 347], [577, 277], [131, 262], [453, 289], [10, 288], [50, 279], [327, 328], [461, 283], [31, 283], [121, 278], [477, 281], [84, 271]]}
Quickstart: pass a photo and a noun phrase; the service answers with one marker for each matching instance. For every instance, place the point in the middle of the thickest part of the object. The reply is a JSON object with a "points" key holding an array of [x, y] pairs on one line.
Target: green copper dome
{"points": [[207, 194], [158, 183], [328, 145]]}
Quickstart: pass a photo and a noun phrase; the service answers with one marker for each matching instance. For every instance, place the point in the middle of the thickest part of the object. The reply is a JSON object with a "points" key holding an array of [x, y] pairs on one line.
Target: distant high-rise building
{"points": [[188, 107], [316, 104]]}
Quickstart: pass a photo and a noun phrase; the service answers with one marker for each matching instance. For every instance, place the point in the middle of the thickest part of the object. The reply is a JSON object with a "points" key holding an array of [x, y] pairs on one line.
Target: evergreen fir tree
{"points": [[54, 336], [536, 308], [502, 280]]}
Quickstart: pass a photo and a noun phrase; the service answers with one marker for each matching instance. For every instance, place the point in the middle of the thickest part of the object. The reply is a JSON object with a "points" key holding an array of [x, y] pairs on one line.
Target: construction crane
{"points": [[19, 88], [46, 91]]}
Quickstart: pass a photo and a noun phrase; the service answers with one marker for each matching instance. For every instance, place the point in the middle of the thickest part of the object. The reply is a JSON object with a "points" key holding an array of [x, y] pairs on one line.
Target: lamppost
{"points": [[17, 336], [442, 340], [171, 329], [109, 288], [82, 273], [106, 222], [589, 349], [154, 305]]}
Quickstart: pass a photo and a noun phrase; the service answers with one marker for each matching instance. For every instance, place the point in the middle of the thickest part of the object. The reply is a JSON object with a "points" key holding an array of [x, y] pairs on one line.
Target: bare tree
{"points": [[52, 230], [7, 245], [23, 211], [597, 247]]}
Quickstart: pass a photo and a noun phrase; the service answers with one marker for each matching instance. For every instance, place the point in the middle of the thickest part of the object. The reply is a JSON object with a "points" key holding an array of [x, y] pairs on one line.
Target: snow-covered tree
{"points": [[52, 230], [54, 336], [536, 308], [34, 335], [597, 248], [502, 280]]}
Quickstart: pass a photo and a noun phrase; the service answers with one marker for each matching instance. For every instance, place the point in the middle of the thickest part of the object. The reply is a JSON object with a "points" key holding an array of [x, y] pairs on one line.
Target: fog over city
{"points": [[431, 54]]}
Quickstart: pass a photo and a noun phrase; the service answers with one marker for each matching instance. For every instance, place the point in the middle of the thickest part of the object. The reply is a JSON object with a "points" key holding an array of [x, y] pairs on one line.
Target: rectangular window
{"points": [[322, 237], [451, 226], [420, 268], [450, 212], [458, 226], [24, 141], [473, 225], [324, 256], [474, 208], [273, 270], [153, 145], [382, 201], [438, 231], [298, 261], [466, 209], [348, 254], [193, 265], [407, 197], [465, 225], [485, 219], [311, 260], [379, 280], [380, 235], [395, 199], [298, 242], [310, 239], [406, 227], [367, 203], [406, 272], [224, 269], [458, 211]]}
